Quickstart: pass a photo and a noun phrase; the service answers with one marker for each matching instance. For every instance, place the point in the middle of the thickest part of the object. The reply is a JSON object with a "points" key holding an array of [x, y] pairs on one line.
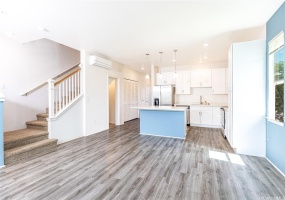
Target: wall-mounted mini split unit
{"points": [[100, 62]]}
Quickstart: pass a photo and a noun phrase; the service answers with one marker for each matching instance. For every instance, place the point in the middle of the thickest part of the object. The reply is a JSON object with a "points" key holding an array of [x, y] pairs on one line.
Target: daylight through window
{"points": [[276, 78]]}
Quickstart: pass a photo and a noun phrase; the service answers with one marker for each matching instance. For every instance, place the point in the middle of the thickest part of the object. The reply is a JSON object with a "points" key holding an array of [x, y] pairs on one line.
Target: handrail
{"points": [[61, 80], [46, 82]]}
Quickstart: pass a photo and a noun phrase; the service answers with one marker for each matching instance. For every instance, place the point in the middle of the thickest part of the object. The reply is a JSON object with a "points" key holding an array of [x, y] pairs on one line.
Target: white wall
{"points": [[194, 97], [24, 66], [96, 108], [69, 125]]}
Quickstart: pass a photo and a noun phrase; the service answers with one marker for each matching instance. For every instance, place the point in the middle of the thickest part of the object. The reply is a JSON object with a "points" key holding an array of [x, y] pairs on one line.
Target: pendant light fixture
{"points": [[175, 73], [147, 75], [160, 75]]}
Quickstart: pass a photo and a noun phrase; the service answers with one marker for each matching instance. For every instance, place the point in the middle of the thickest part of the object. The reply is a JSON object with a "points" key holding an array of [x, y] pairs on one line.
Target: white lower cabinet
{"points": [[216, 116], [201, 115]]}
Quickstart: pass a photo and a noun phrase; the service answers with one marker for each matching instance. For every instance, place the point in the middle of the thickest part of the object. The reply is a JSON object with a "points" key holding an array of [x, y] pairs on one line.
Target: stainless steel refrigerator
{"points": [[164, 94]]}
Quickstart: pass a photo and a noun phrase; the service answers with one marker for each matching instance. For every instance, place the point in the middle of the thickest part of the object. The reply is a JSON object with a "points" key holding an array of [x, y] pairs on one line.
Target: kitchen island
{"points": [[164, 121]]}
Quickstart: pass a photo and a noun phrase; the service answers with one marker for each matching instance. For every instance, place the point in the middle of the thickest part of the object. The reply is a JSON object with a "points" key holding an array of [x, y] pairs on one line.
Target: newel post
{"points": [[51, 97]]}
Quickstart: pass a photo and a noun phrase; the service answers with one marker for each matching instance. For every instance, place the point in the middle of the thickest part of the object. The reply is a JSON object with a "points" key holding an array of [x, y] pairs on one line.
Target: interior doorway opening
{"points": [[113, 101]]}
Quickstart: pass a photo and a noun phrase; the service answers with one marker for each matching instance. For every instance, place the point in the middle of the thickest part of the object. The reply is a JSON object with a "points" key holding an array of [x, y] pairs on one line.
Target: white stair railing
{"points": [[63, 92]]}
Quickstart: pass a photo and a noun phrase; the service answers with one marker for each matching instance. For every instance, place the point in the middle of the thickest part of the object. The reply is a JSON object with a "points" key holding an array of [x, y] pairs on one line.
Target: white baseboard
{"points": [[2, 166], [163, 136], [206, 126], [275, 167]]}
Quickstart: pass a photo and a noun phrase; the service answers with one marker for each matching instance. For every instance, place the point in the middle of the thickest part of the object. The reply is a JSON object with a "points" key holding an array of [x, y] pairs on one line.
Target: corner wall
{"points": [[24, 66], [275, 138], [95, 87]]}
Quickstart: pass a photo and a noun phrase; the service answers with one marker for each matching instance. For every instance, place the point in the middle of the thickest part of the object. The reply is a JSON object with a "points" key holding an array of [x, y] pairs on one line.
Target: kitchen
{"points": [[210, 98]]}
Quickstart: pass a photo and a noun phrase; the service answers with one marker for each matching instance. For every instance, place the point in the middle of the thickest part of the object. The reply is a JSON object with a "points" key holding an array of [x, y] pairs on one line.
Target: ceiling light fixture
{"points": [[147, 75], [175, 73], [206, 44], [142, 67], [160, 75], [205, 57]]}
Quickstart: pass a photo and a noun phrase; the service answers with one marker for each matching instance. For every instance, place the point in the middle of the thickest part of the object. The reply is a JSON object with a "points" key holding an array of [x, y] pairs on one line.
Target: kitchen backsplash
{"points": [[206, 94]]}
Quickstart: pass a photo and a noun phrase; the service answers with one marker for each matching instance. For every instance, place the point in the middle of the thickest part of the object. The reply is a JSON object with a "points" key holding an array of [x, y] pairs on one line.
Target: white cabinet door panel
{"points": [[206, 117], [195, 78], [194, 117], [206, 78], [216, 116], [219, 81]]}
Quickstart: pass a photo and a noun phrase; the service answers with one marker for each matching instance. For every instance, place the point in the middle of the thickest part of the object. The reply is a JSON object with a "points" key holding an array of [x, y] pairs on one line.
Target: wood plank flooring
{"points": [[121, 164]]}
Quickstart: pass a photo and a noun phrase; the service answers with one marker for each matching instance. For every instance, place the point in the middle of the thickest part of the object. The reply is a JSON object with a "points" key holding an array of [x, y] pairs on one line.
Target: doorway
{"points": [[113, 101]]}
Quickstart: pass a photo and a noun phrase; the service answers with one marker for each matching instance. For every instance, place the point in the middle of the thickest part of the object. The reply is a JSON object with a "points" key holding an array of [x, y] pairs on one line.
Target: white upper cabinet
{"points": [[166, 79], [183, 83], [219, 81], [201, 78]]}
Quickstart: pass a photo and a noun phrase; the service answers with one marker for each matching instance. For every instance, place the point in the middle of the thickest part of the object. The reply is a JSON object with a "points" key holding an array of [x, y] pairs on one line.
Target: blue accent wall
{"points": [[275, 134], [163, 123], [1, 134]]}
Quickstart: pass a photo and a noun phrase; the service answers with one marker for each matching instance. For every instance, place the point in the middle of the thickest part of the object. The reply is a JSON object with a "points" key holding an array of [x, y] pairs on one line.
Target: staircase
{"points": [[28, 143]]}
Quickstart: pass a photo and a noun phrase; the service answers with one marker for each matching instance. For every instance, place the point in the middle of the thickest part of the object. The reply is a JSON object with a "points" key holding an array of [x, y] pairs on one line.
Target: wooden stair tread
{"points": [[29, 147], [38, 123], [45, 115], [22, 134]]}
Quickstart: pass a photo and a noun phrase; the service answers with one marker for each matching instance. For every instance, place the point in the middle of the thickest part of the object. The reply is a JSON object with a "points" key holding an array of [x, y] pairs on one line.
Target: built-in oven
{"points": [[223, 121]]}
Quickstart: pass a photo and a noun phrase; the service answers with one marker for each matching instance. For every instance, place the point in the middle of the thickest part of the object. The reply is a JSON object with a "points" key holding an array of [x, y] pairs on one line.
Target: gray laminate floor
{"points": [[121, 164]]}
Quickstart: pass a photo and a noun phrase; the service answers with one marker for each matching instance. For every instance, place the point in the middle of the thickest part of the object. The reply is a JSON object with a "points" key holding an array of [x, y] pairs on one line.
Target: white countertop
{"points": [[197, 104], [2, 97], [165, 108]]}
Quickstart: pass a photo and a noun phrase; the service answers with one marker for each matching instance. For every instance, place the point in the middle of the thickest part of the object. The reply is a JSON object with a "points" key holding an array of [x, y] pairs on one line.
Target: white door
{"points": [[206, 77], [195, 78], [219, 81], [159, 81], [179, 83], [216, 116], [206, 117], [186, 82], [195, 115]]}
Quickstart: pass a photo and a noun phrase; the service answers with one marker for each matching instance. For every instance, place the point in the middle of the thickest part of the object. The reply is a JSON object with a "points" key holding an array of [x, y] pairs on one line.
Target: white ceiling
{"points": [[126, 30]]}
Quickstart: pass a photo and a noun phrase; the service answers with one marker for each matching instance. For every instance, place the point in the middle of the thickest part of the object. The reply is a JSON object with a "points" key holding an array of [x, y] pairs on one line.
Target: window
{"points": [[276, 79]]}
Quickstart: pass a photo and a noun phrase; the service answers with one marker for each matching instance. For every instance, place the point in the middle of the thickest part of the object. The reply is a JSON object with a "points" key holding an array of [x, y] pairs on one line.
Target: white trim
{"points": [[2, 166], [66, 108], [275, 167], [46, 82], [162, 136], [206, 126], [275, 122]]}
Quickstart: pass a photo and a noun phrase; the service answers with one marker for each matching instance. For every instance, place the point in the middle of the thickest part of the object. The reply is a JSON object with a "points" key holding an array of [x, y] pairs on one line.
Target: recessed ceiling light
{"points": [[43, 29], [206, 44], [205, 57], [200, 61], [10, 34]]}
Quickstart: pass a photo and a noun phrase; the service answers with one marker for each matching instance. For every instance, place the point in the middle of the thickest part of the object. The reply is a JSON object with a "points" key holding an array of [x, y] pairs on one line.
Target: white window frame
{"points": [[274, 45]]}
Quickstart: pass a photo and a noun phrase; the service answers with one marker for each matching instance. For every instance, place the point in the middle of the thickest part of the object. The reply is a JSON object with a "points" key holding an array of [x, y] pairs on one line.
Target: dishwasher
{"points": [[187, 113]]}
